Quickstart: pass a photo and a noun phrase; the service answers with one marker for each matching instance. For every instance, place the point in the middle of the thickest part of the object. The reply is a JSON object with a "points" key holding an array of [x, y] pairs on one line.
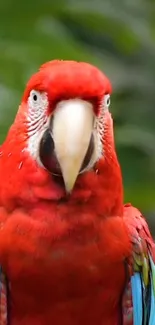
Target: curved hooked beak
{"points": [[72, 129]]}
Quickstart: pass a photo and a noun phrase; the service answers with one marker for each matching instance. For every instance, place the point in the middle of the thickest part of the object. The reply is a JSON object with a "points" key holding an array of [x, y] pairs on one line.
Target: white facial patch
{"points": [[99, 126], [37, 120]]}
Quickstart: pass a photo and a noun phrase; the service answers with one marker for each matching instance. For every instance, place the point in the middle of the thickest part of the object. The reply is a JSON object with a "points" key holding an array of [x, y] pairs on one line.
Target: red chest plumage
{"points": [[64, 270]]}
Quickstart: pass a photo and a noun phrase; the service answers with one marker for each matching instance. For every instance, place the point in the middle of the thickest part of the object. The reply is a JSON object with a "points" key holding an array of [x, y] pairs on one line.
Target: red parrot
{"points": [[70, 252]]}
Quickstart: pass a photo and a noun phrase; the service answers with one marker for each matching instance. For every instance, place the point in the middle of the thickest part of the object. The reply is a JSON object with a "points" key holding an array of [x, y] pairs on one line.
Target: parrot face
{"points": [[61, 141], [64, 107], [69, 141]]}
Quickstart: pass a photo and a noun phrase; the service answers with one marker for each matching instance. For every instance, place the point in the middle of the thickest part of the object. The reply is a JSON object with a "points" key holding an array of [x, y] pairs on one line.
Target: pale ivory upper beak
{"points": [[72, 128]]}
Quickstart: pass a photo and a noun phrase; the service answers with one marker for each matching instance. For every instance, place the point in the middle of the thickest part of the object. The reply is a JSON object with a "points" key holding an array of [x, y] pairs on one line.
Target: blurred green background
{"points": [[117, 36]]}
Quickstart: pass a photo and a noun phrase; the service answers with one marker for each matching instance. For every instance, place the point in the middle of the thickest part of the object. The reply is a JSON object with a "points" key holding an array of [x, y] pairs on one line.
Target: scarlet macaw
{"points": [[70, 252]]}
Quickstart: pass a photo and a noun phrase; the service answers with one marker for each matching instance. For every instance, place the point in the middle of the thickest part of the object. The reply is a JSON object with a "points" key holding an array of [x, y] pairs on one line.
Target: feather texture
{"points": [[152, 293], [141, 309], [3, 300], [136, 288]]}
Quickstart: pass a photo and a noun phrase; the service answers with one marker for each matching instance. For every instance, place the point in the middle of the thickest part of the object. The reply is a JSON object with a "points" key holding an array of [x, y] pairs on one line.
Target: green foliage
{"points": [[117, 36]]}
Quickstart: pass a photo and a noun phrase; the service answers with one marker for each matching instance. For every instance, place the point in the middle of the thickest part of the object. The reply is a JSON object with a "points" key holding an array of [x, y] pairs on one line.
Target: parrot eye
{"points": [[107, 100], [38, 105], [35, 97]]}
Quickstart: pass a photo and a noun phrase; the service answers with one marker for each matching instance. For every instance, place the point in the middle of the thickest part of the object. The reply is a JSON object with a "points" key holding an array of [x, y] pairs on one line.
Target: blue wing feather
{"points": [[137, 298]]}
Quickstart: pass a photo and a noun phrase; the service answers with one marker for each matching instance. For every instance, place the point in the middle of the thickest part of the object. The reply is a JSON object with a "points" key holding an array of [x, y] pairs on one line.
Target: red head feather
{"points": [[27, 181], [69, 79]]}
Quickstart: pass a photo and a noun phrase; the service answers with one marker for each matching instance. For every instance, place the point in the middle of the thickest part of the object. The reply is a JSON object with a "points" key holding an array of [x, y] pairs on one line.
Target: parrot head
{"points": [[63, 126]]}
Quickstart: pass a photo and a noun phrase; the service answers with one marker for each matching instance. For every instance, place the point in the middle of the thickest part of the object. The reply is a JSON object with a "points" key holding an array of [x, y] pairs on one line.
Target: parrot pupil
{"points": [[35, 98]]}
